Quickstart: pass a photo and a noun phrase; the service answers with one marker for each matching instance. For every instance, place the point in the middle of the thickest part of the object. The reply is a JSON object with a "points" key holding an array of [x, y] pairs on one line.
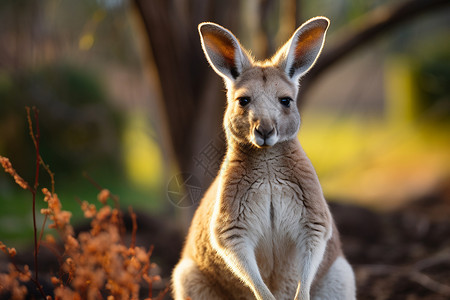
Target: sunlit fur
{"points": [[265, 86], [263, 229]]}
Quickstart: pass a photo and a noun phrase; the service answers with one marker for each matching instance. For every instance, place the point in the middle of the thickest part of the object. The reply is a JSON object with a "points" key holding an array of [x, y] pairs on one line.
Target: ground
{"points": [[398, 254], [402, 254]]}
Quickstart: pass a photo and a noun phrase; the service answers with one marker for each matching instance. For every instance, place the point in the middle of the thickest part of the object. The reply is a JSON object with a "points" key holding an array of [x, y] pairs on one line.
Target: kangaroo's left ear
{"points": [[223, 51], [300, 53]]}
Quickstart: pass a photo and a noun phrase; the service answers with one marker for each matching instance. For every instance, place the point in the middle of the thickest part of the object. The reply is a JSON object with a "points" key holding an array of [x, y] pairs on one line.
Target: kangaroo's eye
{"points": [[286, 101], [243, 101]]}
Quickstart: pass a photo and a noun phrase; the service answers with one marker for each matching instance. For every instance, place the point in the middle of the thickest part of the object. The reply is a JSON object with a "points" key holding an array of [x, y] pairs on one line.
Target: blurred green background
{"points": [[375, 125]]}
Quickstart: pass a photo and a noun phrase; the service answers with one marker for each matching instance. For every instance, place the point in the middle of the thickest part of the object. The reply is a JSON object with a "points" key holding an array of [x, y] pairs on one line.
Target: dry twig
{"points": [[414, 273]]}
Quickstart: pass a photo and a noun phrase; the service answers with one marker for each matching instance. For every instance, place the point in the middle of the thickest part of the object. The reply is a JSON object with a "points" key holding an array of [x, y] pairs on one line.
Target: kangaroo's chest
{"points": [[273, 205], [273, 210]]}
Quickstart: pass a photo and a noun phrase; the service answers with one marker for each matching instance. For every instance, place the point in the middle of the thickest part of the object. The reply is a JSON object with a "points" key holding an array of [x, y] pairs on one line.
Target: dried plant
{"points": [[96, 264]]}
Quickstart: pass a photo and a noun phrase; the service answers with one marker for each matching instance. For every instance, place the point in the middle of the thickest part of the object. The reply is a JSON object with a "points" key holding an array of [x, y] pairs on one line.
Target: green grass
{"points": [[16, 227]]}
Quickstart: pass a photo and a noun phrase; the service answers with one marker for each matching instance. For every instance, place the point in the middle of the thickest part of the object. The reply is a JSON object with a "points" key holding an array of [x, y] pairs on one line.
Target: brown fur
{"points": [[198, 246], [263, 229]]}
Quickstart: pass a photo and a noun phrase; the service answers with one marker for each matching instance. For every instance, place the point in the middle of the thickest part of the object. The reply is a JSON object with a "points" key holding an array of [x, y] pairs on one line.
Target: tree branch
{"points": [[366, 29]]}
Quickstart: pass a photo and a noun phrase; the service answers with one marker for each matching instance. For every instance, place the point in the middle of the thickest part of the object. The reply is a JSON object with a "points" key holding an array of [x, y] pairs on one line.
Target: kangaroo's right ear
{"points": [[299, 54], [223, 51]]}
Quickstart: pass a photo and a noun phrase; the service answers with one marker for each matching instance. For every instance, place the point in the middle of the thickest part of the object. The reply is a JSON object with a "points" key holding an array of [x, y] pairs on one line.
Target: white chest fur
{"points": [[272, 207]]}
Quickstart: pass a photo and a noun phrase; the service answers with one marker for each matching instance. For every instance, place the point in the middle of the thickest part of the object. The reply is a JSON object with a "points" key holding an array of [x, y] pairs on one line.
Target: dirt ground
{"points": [[403, 254]]}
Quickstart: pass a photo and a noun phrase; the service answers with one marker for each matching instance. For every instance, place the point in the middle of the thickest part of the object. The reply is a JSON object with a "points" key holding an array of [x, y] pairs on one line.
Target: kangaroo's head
{"points": [[262, 107]]}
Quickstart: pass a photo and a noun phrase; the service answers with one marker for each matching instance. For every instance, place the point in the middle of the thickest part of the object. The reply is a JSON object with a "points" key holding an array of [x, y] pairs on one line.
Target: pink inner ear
{"points": [[221, 46], [308, 45]]}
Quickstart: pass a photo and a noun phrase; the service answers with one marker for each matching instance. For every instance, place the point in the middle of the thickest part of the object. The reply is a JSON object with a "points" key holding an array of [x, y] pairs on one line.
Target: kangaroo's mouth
{"points": [[262, 146], [261, 141]]}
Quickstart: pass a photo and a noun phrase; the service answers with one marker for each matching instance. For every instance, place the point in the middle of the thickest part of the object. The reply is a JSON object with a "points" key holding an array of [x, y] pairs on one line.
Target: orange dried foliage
{"points": [[97, 262], [103, 196], [12, 282], [7, 166]]}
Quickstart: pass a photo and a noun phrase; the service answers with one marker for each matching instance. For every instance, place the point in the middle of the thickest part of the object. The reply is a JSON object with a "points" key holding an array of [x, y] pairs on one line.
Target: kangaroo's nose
{"points": [[264, 132]]}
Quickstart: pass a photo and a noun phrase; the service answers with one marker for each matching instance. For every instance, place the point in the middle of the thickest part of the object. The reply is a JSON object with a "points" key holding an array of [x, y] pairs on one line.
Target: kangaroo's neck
{"points": [[280, 154], [283, 160]]}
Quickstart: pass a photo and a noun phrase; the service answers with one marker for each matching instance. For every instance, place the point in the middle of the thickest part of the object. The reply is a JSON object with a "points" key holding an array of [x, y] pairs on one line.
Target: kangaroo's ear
{"points": [[223, 51], [300, 53]]}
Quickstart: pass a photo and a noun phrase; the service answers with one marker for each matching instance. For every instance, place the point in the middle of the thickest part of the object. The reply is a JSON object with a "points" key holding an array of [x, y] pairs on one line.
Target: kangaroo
{"points": [[263, 229]]}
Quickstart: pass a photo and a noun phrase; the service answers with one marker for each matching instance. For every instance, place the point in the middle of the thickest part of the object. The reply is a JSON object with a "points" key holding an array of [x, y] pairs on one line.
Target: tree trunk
{"points": [[193, 97]]}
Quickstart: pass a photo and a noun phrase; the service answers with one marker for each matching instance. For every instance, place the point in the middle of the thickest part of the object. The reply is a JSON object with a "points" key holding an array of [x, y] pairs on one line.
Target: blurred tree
{"points": [[52, 56], [366, 29], [190, 91], [75, 117]]}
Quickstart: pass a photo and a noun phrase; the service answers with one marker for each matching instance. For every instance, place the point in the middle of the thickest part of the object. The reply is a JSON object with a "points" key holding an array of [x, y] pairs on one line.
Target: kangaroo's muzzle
{"points": [[264, 135]]}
